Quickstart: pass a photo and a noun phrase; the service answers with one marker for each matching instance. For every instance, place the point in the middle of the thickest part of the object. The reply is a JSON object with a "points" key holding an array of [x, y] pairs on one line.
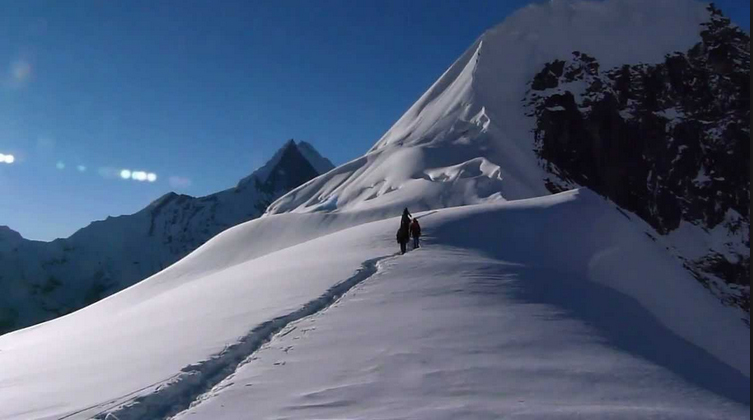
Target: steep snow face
{"points": [[40, 281], [475, 109], [547, 308], [491, 77]]}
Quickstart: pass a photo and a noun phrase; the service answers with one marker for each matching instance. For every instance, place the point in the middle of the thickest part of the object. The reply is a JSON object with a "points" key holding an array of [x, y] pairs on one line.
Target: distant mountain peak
{"points": [[290, 155], [289, 171], [319, 162], [111, 254], [7, 233]]}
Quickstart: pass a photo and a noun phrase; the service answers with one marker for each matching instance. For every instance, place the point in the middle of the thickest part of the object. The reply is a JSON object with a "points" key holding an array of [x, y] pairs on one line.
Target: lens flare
{"points": [[81, 168], [60, 165], [7, 158], [138, 176]]}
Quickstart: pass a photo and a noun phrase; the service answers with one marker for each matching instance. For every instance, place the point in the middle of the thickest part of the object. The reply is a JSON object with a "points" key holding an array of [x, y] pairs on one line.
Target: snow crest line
{"points": [[195, 380]]}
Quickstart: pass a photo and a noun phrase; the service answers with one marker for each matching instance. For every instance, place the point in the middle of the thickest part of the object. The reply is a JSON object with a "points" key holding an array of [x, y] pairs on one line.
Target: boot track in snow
{"points": [[180, 392]]}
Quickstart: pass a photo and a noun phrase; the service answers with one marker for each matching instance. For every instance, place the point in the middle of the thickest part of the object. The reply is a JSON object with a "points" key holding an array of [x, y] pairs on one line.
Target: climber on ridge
{"points": [[403, 234], [415, 232]]}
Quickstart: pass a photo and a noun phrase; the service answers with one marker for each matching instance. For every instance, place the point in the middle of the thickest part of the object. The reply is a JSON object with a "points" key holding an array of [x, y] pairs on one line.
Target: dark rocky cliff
{"points": [[669, 142]]}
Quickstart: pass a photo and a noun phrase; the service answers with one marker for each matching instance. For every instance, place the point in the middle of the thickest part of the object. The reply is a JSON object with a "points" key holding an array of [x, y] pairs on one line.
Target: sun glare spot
{"points": [[151, 177], [125, 174], [7, 158]]}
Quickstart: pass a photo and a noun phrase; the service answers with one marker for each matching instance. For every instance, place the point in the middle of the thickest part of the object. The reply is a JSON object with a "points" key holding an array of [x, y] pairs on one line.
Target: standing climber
{"points": [[403, 234], [402, 238], [415, 232], [405, 221]]}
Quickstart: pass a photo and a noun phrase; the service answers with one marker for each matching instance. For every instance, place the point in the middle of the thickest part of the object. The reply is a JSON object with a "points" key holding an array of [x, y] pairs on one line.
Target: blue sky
{"points": [[200, 92]]}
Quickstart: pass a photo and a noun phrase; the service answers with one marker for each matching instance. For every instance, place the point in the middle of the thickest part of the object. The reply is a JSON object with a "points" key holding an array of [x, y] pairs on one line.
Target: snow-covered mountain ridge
{"points": [[42, 280], [475, 135], [474, 115]]}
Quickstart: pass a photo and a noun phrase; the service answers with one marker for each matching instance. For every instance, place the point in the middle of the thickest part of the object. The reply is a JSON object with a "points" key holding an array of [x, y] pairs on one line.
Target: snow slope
{"points": [[545, 306], [462, 330], [575, 306]]}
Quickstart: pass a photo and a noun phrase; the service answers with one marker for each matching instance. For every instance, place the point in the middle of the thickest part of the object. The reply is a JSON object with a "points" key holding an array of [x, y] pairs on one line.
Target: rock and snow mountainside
{"points": [[40, 280], [661, 133], [668, 141], [521, 304]]}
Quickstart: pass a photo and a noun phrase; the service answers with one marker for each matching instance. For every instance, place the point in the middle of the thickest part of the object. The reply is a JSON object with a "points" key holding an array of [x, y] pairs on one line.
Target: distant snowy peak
{"points": [[290, 164]]}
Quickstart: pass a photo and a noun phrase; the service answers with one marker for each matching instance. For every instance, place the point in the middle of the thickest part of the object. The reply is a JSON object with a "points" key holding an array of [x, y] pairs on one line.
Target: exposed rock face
{"points": [[669, 142], [292, 169], [43, 280]]}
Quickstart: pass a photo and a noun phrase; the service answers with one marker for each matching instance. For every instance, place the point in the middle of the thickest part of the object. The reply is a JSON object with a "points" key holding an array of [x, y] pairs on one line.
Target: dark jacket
{"points": [[415, 229], [402, 235], [405, 220]]}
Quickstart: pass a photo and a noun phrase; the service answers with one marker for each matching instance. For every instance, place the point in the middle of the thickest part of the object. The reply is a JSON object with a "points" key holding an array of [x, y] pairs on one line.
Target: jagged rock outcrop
{"points": [[669, 142]]}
